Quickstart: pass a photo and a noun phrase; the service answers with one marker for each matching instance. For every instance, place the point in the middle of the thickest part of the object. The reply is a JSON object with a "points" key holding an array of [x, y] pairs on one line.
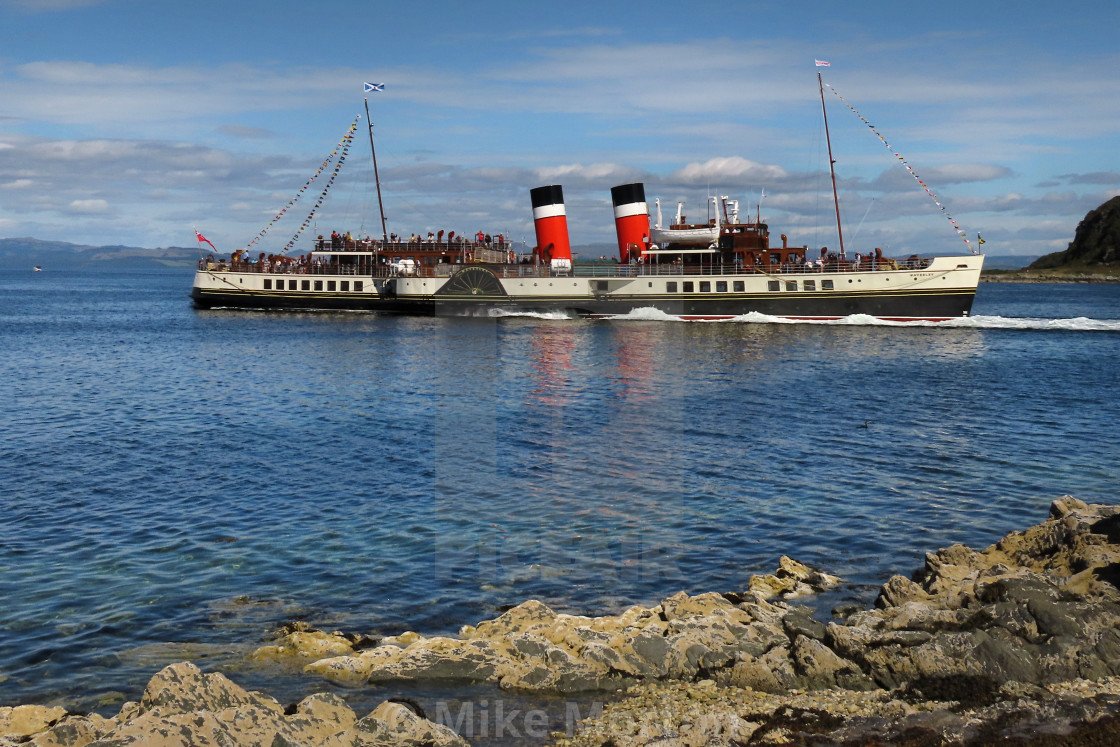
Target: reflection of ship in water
{"points": [[553, 345], [638, 352]]}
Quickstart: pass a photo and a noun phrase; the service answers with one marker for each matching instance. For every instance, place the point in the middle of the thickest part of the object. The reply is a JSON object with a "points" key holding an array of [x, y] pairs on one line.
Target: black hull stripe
{"points": [[916, 305]]}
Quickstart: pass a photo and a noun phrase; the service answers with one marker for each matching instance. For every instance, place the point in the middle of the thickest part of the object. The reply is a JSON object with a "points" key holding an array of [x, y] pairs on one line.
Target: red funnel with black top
{"points": [[550, 220]]}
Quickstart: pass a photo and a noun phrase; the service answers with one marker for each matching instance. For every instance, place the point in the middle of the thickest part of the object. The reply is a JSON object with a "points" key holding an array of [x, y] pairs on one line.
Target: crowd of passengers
{"points": [[838, 262], [242, 260], [345, 241], [827, 262]]}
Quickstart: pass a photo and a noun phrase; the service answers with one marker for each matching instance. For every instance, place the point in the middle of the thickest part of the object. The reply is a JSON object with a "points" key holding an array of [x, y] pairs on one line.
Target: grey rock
{"points": [[799, 621]]}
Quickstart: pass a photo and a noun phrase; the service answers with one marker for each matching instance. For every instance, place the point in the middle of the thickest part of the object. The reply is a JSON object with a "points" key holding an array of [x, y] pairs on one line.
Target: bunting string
{"points": [[340, 150], [909, 168]]}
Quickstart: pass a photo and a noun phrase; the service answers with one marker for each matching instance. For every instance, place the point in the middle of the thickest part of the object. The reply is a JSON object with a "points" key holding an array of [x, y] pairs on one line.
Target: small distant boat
{"points": [[37, 268]]}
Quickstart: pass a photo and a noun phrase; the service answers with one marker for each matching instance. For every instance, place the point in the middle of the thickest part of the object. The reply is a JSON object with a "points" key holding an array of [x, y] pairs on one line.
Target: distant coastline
{"points": [[1047, 276]]}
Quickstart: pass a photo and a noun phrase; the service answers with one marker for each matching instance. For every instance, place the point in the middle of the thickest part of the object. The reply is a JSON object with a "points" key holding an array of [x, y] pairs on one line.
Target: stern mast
{"points": [[376, 178], [831, 166]]}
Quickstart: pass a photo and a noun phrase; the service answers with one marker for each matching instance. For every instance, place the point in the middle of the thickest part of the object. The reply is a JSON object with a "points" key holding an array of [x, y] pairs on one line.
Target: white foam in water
{"points": [[1078, 324], [645, 314], [553, 315]]}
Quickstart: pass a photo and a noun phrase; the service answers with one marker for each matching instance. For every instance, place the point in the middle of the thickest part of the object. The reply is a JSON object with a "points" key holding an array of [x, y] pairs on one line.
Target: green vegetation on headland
{"points": [[1092, 257]]}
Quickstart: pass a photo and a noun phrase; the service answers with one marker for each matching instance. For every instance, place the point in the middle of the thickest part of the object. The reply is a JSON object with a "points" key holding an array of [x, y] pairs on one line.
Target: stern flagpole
{"points": [[373, 153], [831, 161]]}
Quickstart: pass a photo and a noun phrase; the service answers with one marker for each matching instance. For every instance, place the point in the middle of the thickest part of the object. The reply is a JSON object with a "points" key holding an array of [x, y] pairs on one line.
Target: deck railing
{"points": [[507, 270], [406, 247]]}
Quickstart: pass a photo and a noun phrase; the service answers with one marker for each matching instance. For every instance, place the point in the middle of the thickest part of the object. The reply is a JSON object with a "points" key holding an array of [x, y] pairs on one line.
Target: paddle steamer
{"points": [[721, 268], [738, 274]]}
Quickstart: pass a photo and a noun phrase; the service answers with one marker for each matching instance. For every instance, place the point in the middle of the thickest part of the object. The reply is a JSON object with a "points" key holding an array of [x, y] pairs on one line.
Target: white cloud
{"points": [[592, 174], [134, 97], [721, 170], [959, 173], [89, 206]]}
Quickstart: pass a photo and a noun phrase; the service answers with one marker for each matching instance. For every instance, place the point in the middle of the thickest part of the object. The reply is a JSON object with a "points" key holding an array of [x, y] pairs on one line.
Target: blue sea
{"points": [[177, 484]]}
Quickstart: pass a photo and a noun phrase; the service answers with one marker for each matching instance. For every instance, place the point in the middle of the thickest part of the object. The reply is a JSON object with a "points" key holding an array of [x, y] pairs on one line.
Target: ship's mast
{"points": [[831, 166], [376, 178]]}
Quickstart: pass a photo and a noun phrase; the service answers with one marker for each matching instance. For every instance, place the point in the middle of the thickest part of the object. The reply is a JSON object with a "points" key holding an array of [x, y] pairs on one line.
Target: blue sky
{"points": [[129, 122]]}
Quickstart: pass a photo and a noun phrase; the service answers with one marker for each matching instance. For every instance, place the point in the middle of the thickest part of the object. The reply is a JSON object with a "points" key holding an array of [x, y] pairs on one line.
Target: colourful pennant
{"points": [[343, 146], [908, 168]]}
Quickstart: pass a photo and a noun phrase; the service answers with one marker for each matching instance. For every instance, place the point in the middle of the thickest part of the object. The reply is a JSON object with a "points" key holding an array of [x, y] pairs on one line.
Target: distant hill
{"points": [[25, 253], [1095, 245]]}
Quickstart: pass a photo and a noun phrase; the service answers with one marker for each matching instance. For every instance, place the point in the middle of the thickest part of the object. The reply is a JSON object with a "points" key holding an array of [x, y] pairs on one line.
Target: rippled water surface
{"points": [[177, 483]]}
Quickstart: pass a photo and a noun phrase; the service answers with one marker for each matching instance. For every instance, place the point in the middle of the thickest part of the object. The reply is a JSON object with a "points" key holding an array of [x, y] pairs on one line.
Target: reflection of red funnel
{"points": [[631, 220], [552, 347], [551, 221]]}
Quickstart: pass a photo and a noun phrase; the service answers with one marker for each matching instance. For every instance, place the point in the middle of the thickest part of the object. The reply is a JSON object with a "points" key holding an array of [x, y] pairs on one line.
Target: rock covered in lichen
{"points": [[25, 720], [182, 706], [532, 647], [675, 714], [793, 579], [299, 640], [1040, 606]]}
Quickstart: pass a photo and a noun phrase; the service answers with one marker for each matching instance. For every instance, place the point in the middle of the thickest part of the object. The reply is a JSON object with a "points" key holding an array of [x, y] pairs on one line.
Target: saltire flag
{"points": [[202, 238], [374, 87], [823, 63]]}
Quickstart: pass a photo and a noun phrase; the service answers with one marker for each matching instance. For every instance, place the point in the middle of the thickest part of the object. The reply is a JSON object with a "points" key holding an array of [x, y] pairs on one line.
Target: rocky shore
{"points": [[1019, 642]]}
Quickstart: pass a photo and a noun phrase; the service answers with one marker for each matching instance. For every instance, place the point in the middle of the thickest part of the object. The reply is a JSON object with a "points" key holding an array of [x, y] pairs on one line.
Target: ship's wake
{"points": [[1076, 324], [550, 315]]}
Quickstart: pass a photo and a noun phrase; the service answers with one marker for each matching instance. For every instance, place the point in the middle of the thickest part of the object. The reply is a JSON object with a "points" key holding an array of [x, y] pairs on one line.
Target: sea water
{"points": [[176, 483]]}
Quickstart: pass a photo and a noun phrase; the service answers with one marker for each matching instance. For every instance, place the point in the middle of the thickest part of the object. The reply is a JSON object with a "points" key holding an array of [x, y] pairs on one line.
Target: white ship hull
{"points": [[942, 288]]}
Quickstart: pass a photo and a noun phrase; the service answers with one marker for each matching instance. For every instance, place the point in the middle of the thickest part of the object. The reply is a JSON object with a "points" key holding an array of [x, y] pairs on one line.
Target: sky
{"points": [[135, 122]]}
